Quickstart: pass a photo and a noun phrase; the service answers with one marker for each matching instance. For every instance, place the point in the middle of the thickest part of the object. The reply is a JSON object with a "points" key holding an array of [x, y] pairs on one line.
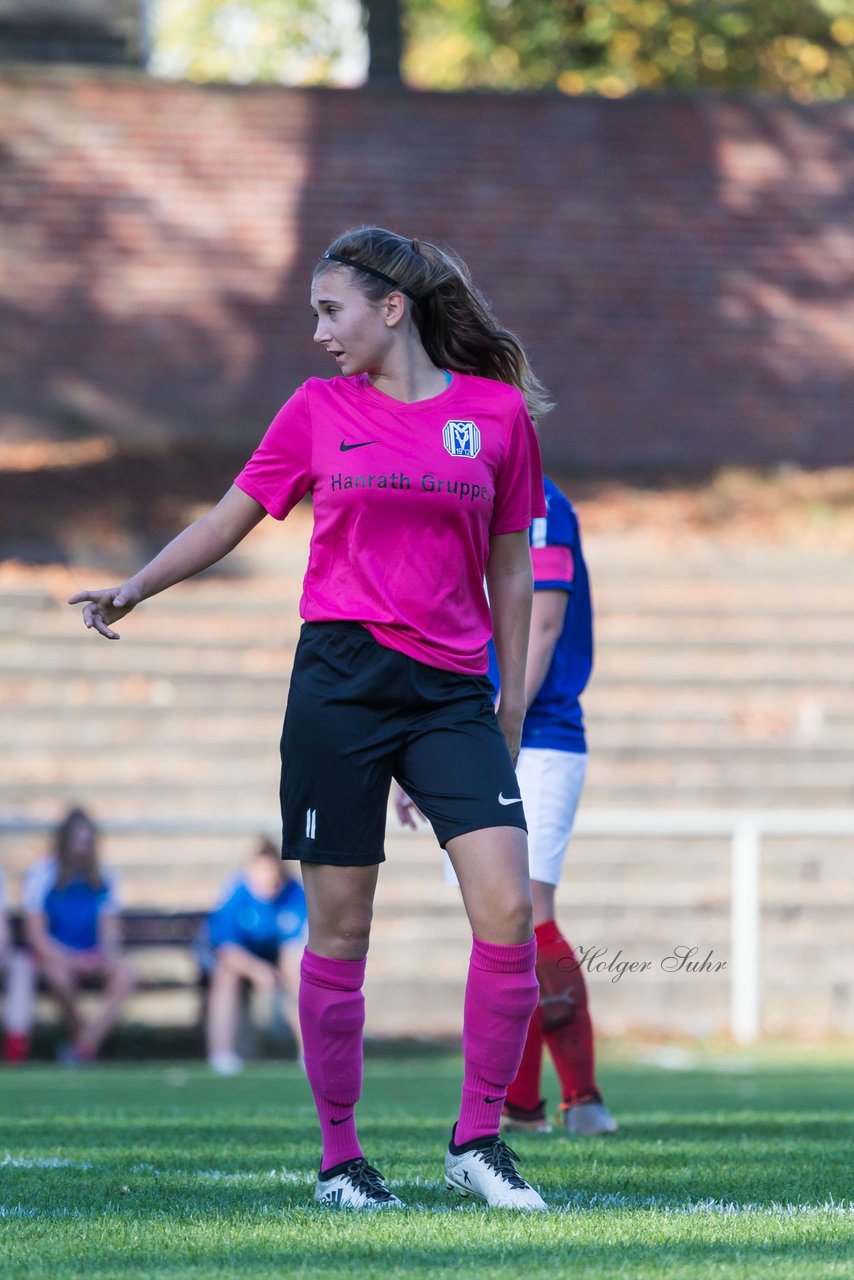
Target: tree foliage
{"points": [[800, 48], [289, 41]]}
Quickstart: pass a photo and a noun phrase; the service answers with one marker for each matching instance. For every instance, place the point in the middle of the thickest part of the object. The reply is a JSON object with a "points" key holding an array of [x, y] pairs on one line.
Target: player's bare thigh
{"points": [[492, 868]]}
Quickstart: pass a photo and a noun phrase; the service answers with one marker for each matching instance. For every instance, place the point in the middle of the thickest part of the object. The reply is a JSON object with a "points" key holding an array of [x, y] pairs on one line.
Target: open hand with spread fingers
{"points": [[107, 605]]}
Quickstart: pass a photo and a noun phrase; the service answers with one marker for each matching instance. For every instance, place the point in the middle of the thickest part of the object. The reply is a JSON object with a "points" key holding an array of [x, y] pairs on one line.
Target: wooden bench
{"points": [[150, 930], [147, 931], [143, 930]]}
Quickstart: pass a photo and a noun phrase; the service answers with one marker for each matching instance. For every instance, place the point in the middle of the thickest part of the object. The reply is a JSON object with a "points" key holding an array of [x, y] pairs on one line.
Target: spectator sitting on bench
{"points": [[73, 930], [256, 934], [20, 984]]}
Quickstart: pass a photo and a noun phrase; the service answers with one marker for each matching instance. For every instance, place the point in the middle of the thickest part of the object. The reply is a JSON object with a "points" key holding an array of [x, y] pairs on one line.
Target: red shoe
{"points": [[517, 1120]]}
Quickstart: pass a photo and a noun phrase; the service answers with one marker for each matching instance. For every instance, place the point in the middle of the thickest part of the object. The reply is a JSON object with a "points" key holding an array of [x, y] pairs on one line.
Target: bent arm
{"points": [[510, 581], [197, 547], [39, 940]]}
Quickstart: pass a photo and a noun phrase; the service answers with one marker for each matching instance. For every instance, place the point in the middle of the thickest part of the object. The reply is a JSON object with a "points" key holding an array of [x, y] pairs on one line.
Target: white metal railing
{"points": [[743, 827]]}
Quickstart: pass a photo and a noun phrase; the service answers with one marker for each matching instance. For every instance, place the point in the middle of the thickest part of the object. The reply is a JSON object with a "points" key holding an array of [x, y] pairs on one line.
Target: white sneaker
{"points": [[484, 1168], [355, 1184], [225, 1064], [586, 1119]]}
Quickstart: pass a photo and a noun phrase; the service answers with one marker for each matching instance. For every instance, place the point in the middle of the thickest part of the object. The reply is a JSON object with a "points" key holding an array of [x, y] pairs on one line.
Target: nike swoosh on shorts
{"points": [[502, 799]]}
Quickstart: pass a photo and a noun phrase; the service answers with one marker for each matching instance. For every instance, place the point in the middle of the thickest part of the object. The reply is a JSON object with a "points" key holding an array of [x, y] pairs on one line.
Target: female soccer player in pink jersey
{"points": [[425, 474]]}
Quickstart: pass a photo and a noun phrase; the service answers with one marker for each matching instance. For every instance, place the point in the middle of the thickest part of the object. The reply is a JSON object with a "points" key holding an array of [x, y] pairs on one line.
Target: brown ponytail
{"points": [[88, 869], [453, 320]]}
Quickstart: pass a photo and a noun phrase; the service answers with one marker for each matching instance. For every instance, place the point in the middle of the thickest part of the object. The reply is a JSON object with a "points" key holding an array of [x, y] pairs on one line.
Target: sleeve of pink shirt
{"points": [[519, 494], [554, 567], [279, 472]]}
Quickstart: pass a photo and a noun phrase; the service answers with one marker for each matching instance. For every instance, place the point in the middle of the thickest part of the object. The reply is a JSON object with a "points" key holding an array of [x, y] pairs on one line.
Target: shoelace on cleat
{"points": [[499, 1156], [365, 1177]]}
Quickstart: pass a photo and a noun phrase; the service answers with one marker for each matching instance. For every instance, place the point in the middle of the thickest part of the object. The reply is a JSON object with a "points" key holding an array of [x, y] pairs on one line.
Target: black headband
{"points": [[371, 271]]}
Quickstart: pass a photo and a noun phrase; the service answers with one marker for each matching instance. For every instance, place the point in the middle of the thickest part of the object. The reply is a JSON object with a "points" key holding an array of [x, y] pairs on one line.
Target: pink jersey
{"points": [[406, 497]]}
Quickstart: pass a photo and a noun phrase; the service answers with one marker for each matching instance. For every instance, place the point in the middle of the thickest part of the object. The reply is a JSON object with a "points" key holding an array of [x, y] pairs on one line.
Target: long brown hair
{"points": [[88, 870], [454, 321]]}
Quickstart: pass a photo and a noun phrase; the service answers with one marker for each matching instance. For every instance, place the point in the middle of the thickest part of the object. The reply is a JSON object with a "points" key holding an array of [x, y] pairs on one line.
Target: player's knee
{"points": [[343, 937], [517, 923]]}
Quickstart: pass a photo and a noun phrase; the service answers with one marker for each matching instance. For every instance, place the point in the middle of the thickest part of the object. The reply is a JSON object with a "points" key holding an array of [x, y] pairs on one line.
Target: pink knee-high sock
{"points": [[332, 1016], [501, 995]]}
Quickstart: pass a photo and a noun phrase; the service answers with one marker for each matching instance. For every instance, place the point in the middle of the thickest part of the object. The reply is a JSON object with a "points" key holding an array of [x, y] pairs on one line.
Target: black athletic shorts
{"points": [[360, 714]]}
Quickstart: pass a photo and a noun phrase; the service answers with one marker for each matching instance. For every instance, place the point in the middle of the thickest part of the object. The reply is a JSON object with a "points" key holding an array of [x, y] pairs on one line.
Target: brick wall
{"points": [[682, 270]]}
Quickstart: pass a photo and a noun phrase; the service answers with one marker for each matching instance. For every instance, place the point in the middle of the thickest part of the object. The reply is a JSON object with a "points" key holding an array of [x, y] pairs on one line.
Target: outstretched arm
{"points": [[510, 580], [197, 547]]}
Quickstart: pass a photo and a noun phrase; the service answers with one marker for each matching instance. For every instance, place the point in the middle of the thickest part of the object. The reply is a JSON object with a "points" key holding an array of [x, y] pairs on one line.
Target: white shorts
{"points": [[550, 783]]}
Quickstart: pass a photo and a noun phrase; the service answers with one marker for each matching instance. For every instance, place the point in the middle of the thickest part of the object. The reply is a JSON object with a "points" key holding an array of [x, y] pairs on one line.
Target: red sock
{"points": [[570, 1042], [524, 1092], [501, 995], [16, 1047]]}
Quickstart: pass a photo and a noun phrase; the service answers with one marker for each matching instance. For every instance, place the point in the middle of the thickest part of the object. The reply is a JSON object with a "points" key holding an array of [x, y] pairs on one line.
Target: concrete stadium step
{"points": [[247, 612], [128, 800], [244, 618], [118, 690], [656, 663], [796, 768], [809, 724], [172, 659], [672, 661], [414, 855], [62, 730], [656, 694], [240, 623], [216, 763], [215, 766], [695, 626]]}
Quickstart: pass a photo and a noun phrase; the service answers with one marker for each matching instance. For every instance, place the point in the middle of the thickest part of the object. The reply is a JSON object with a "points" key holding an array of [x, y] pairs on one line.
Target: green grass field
{"points": [[729, 1167]]}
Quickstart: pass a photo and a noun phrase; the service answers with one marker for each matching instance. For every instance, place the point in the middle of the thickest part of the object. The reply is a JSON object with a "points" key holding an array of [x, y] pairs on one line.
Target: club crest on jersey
{"points": [[462, 439]]}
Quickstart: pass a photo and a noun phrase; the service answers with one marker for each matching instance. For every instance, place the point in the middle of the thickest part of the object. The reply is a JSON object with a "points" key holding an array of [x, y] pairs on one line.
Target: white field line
{"points": [[44, 1162]]}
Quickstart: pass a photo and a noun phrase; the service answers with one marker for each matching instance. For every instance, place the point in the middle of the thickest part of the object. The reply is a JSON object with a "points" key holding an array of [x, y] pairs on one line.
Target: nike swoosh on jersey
{"points": [[345, 447], [502, 799]]}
